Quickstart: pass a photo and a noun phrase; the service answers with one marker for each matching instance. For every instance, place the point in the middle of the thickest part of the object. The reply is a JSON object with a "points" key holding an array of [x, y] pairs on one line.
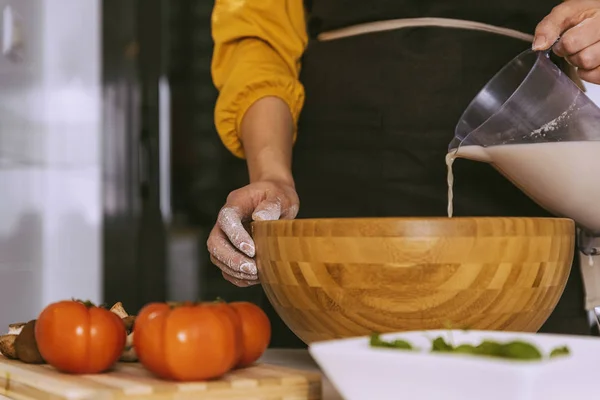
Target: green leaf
{"points": [[376, 341], [519, 350], [490, 348], [560, 351], [440, 345], [466, 349], [514, 350]]}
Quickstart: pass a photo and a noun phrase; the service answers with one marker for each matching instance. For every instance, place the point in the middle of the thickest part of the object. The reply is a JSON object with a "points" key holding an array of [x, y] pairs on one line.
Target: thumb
{"points": [[267, 210], [562, 17]]}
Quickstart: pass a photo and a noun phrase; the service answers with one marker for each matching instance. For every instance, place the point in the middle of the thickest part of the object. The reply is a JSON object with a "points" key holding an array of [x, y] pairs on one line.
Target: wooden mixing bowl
{"points": [[335, 278]]}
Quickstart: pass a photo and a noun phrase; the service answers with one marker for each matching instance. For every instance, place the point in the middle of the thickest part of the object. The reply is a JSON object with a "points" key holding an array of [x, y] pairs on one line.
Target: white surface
{"points": [[360, 372], [593, 92], [50, 126]]}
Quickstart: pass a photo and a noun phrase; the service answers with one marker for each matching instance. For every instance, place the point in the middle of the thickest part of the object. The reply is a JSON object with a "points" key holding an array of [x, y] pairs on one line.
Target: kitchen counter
{"points": [[292, 358], [300, 359]]}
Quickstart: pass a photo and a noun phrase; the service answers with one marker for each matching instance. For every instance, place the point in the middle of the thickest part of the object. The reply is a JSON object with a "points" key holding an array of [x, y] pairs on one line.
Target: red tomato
{"points": [[188, 342], [79, 338], [236, 321], [256, 331]]}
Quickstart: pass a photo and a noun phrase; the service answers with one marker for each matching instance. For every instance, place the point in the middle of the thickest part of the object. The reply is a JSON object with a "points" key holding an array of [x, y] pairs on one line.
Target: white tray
{"points": [[361, 372]]}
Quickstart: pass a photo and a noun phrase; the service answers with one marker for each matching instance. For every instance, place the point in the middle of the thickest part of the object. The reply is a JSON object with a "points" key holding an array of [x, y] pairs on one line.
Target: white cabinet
{"points": [[50, 174]]}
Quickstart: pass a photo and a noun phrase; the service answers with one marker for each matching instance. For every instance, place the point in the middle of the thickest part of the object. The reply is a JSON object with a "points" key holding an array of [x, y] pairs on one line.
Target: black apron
{"points": [[380, 112]]}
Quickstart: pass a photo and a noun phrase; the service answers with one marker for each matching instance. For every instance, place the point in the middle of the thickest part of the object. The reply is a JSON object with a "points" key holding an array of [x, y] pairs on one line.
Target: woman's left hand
{"points": [[577, 24]]}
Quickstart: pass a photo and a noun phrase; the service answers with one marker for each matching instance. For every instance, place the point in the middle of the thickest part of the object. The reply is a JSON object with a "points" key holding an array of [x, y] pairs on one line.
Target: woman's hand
{"points": [[577, 24], [230, 245], [266, 132]]}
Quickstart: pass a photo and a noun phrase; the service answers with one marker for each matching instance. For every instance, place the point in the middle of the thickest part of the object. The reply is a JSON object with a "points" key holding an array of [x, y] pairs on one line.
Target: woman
{"points": [[382, 101]]}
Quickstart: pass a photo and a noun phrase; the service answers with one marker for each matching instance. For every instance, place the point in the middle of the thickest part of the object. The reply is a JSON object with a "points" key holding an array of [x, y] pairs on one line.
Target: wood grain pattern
{"points": [[130, 381], [335, 278]]}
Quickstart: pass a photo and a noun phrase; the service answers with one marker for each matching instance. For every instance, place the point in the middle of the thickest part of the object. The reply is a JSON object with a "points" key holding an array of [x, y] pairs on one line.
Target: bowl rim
{"points": [[413, 226], [412, 219]]}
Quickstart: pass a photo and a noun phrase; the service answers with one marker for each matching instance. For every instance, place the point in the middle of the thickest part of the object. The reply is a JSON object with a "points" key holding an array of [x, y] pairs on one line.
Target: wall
{"points": [[50, 214]]}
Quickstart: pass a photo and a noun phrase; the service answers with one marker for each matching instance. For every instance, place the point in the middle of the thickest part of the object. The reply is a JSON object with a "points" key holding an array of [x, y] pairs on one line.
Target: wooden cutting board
{"points": [[131, 381]]}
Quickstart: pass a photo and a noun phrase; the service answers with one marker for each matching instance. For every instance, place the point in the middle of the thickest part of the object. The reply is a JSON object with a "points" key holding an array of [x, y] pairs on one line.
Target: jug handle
{"points": [[565, 67], [549, 49]]}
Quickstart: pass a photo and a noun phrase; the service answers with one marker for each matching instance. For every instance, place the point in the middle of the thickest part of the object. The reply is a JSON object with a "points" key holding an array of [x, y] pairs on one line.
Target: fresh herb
{"points": [[439, 344], [513, 350], [489, 348], [465, 349], [560, 351], [520, 350], [376, 341]]}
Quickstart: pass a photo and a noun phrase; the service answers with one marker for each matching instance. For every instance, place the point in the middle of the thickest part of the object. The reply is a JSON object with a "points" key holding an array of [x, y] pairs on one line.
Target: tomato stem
{"points": [[86, 303]]}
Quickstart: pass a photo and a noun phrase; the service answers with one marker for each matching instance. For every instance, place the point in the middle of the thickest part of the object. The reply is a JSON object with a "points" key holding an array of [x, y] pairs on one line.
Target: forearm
{"points": [[267, 137]]}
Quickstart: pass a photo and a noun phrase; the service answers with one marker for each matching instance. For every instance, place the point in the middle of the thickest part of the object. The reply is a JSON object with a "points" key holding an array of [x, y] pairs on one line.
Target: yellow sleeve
{"points": [[257, 51]]}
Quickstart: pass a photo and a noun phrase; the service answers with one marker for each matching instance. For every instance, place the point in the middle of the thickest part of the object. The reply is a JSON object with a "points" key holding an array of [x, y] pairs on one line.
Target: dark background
{"points": [[142, 40]]}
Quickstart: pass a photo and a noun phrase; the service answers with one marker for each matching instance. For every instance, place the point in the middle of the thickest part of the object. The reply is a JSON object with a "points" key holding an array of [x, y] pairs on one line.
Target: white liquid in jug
{"points": [[559, 176]]}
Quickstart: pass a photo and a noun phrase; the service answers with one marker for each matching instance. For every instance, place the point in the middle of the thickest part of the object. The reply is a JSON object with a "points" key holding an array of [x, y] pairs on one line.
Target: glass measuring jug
{"points": [[538, 129]]}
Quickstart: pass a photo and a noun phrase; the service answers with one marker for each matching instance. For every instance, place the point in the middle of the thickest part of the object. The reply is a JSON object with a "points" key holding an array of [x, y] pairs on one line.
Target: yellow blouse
{"points": [[257, 51]]}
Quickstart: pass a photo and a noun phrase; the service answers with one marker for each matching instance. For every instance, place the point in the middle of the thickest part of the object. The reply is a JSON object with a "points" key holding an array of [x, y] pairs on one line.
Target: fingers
{"points": [[579, 37], [587, 59], [230, 245], [577, 23], [231, 273], [230, 222], [234, 277], [592, 76], [271, 211], [268, 210], [283, 206], [291, 212], [562, 17], [235, 281], [237, 264], [238, 282], [291, 209]]}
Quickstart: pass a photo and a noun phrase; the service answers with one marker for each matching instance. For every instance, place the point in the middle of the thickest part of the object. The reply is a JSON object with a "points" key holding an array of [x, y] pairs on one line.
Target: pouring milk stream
{"points": [[537, 128]]}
